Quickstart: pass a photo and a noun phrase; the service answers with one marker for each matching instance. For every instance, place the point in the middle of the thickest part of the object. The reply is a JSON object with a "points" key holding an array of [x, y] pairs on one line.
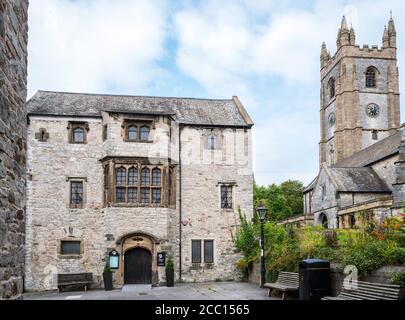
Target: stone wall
{"points": [[13, 91], [100, 228]]}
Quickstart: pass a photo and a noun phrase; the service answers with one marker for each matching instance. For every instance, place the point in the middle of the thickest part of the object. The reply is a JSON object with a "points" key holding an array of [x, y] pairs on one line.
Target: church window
{"points": [[324, 221], [105, 132], [70, 247], [226, 197], [211, 142], [371, 73], [332, 119], [76, 193], [331, 88], [323, 192]]}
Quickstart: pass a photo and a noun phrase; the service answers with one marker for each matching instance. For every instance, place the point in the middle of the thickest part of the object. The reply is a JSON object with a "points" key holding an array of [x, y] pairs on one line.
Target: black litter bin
{"points": [[314, 279]]}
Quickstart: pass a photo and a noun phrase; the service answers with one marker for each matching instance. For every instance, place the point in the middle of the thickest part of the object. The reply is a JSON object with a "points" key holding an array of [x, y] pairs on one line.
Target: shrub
{"points": [[169, 264], [398, 278]]}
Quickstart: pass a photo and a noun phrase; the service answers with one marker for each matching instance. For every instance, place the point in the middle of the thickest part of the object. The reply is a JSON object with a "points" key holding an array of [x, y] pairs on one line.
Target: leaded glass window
{"points": [[196, 251], [226, 197], [76, 192], [208, 251], [145, 177], [145, 133]]}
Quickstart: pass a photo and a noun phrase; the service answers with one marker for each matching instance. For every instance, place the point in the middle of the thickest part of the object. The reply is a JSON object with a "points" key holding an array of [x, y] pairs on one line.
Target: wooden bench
{"points": [[361, 290], [286, 282], [75, 279]]}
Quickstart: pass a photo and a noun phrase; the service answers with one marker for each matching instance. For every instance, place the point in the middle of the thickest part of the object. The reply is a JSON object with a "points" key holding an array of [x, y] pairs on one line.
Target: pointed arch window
{"points": [[371, 74], [132, 133], [145, 133], [331, 88]]}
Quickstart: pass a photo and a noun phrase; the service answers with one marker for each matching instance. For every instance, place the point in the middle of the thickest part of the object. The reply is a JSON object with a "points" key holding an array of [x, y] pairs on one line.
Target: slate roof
{"points": [[373, 153], [357, 180], [187, 110]]}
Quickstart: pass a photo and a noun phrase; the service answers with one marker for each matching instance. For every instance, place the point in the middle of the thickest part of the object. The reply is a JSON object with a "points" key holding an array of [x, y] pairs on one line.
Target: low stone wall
{"points": [[381, 275]]}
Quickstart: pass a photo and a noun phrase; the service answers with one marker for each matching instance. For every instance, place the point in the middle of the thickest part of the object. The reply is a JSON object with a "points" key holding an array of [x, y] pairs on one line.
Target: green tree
{"points": [[293, 192]]}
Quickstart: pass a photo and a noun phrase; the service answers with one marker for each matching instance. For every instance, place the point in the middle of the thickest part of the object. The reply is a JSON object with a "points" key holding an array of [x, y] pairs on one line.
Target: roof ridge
{"points": [[133, 96]]}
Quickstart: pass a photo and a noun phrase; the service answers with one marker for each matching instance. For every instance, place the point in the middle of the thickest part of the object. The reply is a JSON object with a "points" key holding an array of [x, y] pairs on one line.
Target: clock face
{"points": [[373, 110], [332, 119]]}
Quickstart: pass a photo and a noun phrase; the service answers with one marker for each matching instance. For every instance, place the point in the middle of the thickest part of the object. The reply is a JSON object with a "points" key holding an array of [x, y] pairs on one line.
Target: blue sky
{"points": [[264, 51]]}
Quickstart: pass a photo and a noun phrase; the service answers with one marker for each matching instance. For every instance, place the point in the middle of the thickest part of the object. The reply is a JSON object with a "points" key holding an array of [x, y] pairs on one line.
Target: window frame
{"points": [[212, 251], [331, 88], [193, 261], [371, 71], [138, 124], [70, 181], [76, 254], [231, 187], [148, 192], [200, 244], [212, 138], [73, 125]]}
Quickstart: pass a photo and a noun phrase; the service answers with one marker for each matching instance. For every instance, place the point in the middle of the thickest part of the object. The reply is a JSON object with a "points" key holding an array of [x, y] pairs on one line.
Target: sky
{"points": [[264, 51]]}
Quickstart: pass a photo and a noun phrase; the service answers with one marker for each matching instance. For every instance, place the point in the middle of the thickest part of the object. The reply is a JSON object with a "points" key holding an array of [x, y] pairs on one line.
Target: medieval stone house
{"points": [[362, 168], [138, 175]]}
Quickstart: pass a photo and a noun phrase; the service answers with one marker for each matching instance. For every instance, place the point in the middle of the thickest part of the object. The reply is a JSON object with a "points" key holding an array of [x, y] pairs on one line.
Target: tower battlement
{"points": [[359, 94]]}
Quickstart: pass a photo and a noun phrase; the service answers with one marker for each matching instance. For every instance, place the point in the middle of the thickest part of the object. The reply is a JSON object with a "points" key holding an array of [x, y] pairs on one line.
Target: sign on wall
{"points": [[114, 259], [161, 259]]}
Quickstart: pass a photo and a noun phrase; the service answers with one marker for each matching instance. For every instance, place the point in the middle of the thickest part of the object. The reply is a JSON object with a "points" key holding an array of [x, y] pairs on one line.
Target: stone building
{"points": [[362, 168], [13, 92], [138, 175]]}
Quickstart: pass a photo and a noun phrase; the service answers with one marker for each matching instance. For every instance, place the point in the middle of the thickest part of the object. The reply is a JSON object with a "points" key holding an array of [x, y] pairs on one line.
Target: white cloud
{"points": [[94, 46]]}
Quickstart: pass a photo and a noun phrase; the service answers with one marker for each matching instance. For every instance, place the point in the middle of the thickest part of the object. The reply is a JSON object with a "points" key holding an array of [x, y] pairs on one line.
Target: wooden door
{"points": [[138, 266]]}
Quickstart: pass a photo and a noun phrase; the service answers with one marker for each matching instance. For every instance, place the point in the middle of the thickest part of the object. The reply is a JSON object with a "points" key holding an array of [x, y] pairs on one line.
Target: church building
{"points": [[146, 178], [362, 145]]}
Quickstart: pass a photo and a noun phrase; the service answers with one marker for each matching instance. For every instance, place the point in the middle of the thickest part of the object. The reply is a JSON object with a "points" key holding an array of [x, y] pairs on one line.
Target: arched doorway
{"points": [[138, 266], [323, 219]]}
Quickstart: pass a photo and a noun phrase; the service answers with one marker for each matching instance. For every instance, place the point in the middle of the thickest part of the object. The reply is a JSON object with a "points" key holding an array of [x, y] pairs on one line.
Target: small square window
{"points": [[70, 247]]}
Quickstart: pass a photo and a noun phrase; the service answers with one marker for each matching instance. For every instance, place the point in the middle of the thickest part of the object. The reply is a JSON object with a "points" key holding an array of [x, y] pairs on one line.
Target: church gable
{"points": [[324, 192]]}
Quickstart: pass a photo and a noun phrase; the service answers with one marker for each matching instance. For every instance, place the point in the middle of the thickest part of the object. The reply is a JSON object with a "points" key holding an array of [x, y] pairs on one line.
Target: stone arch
{"points": [[323, 220], [131, 241]]}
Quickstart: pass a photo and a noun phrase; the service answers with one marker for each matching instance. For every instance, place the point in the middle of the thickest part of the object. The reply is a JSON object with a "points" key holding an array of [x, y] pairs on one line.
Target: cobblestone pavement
{"points": [[195, 291]]}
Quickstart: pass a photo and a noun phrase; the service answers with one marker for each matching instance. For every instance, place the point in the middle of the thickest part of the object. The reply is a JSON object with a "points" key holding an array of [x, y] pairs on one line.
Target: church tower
{"points": [[359, 94]]}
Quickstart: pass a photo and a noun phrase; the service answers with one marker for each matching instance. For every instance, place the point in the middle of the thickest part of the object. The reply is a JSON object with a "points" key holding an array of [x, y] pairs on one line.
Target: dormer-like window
{"points": [[331, 88], [371, 74], [78, 132], [137, 131]]}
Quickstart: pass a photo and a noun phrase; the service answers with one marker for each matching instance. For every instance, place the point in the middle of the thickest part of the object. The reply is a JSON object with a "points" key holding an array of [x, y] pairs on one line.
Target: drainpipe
{"points": [[180, 211]]}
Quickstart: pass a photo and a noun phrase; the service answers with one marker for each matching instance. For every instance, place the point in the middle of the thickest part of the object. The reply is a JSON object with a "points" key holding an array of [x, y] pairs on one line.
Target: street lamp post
{"points": [[262, 212]]}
